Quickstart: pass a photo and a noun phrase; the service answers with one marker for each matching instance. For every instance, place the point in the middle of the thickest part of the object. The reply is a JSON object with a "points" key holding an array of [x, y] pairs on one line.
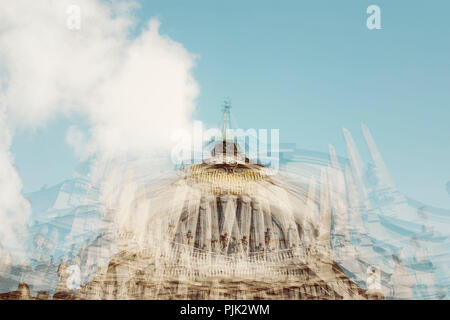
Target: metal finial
{"points": [[227, 104], [226, 117]]}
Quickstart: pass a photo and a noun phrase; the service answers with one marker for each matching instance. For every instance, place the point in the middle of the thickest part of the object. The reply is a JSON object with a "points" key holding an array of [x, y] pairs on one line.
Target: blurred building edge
{"points": [[22, 293], [227, 229], [224, 230]]}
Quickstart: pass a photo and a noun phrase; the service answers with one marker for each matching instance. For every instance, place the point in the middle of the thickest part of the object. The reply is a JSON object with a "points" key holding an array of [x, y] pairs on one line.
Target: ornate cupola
{"points": [[223, 229]]}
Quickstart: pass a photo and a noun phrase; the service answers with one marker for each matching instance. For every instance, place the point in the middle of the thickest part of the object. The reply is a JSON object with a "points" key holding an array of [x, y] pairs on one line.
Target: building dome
{"points": [[226, 228]]}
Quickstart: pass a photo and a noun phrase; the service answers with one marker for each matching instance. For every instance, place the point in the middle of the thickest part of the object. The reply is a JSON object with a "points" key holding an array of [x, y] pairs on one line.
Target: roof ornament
{"points": [[226, 117]]}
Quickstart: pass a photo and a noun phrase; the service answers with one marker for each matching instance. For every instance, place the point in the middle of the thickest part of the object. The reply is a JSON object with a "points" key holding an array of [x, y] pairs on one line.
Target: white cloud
{"points": [[14, 208], [149, 96], [134, 91], [77, 140]]}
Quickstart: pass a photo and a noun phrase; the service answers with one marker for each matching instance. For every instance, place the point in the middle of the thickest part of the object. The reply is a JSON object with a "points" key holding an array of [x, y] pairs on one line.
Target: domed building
{"points": [[224, 229]]}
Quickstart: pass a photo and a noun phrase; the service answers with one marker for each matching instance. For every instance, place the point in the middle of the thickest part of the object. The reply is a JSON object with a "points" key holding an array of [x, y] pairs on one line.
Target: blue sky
{"points": [[308, 68]]}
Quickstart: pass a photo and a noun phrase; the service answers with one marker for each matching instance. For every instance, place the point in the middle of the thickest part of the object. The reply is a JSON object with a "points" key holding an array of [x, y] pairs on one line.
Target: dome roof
{"points": [[225, 205], [226, 228]]}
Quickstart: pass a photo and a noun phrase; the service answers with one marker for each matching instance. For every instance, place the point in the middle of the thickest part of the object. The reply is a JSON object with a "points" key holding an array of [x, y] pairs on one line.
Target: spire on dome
{"points": [[226, 117]]}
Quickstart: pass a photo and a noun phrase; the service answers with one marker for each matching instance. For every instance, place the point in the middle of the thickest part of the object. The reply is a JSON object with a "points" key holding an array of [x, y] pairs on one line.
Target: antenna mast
{"points": [[226, 117]]}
